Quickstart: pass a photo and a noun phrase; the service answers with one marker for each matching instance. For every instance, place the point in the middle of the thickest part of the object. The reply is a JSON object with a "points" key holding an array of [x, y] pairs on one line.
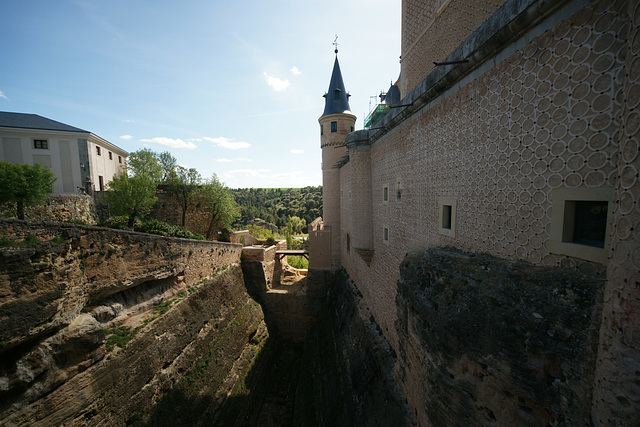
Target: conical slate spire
{"points": [[336, 98]]}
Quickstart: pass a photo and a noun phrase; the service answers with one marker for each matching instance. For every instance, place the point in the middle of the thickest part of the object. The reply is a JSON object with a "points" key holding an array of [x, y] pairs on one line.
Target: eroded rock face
{"points": [[486, 341], [63, 288]]}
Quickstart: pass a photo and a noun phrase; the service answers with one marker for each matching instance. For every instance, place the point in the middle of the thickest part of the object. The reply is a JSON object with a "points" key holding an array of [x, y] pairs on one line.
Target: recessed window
{"points": [[385, 193], [101, 182], [334, 127], [120, 159], [110, 155], [385, 234], [98, 151], [321, 130], [41, 144], [579, 222], [348, 243], [447, 217], [352, 128]]}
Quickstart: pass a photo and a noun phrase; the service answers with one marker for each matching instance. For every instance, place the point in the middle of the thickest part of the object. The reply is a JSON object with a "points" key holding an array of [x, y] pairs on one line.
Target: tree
{"points": [[145, 163], [222, 207], [183, 184], [131, 196], [24, 185], [296, 224]]}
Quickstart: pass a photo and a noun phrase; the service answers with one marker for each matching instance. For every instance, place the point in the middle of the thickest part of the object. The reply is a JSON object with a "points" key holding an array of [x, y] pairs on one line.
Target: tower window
{"points": [[336, 95], [334, 127], [321, 130], [385, 234], [385, 193]]}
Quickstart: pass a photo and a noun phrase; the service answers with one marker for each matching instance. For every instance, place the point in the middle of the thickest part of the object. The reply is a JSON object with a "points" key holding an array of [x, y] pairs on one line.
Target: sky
{"points": [[232, 88]]}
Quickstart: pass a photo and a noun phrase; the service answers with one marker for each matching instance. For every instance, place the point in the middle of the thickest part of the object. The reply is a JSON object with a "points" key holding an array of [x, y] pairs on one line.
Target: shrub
{"points": [[153, 226], [299, 262], [119, 222]]}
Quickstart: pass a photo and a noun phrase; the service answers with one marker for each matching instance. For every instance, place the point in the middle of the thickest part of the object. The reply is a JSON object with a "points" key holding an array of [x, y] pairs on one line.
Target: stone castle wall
{"points": [[551, 111], [432, 29], [616, 396], [499, 145], [64, 208]]}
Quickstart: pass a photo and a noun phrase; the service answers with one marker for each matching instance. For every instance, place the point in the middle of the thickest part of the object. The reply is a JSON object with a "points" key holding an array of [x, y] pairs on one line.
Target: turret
{"points": [[336, 123]]}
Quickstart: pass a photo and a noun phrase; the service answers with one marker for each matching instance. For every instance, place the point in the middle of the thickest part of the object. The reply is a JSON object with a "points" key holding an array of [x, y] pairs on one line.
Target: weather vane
{"points": [[335, 43]]}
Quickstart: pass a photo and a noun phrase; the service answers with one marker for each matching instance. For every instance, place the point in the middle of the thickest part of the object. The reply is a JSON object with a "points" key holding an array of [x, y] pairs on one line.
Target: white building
{"points": [[77, 157]]}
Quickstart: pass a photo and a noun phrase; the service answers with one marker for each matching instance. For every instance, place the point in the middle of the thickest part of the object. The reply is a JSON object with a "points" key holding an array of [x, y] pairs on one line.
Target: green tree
{"points": [[183, 183], [296, 224], [222, 207], [24, 185], [145, 163], [132, 196]]}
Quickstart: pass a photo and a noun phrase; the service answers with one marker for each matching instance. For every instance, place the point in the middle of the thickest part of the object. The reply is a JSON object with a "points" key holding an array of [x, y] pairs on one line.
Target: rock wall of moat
{"points": [[487, 341], [102, 326]]}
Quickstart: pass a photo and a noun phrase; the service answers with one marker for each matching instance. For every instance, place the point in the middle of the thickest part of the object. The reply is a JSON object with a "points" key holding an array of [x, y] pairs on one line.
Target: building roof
{"points": [[34, 121], [336, 98]]}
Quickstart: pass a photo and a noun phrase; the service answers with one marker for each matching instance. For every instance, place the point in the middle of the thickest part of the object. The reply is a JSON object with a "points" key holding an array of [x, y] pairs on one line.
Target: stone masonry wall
{"points": [[543, 118], [616, 395], [432, 29], [64, 208]]}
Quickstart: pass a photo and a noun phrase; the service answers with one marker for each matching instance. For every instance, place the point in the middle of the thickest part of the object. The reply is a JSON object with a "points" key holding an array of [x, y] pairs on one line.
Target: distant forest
{"points": [[276, 205]]}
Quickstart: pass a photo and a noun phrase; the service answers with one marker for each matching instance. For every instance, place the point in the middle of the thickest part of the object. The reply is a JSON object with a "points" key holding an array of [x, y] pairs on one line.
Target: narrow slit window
{"points": [[446, 217], [334, 127]]}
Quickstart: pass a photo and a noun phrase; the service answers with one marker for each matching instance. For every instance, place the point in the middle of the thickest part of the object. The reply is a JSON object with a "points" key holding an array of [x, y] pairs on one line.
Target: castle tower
{"points": [[336, 123]]}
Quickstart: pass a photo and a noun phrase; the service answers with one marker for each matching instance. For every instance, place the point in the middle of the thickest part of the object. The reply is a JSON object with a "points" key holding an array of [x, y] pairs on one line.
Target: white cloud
{"points": [[125, 137], [224, 160], [223, 142], [169, 142], [295, 71], [2, 95], [294, 151], [128, 120], [277, 84]]}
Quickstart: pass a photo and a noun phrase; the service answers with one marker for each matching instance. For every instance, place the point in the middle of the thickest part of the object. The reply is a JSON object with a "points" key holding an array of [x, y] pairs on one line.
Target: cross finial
{"points": [[335, 43]]}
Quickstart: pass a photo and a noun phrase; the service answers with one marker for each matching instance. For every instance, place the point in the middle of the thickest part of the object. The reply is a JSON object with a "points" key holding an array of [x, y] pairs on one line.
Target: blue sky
{"points": [[228, 87]]}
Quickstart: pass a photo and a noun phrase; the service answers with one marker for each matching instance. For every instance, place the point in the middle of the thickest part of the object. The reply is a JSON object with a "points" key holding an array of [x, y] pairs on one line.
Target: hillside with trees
{"points": [[278, 205]]}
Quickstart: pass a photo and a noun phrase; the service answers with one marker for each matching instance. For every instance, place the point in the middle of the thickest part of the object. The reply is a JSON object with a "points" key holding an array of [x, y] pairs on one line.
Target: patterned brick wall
{"points": [[616, 396], [546, 117], [432, 29]]}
